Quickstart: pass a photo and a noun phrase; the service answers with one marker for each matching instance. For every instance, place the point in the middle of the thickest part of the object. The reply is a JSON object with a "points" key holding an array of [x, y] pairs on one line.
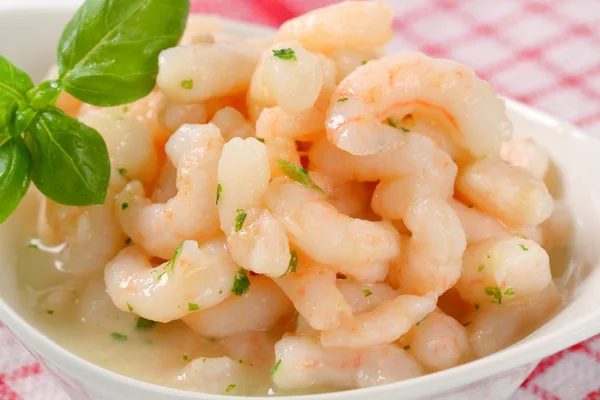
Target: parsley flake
{"points": [[143, 324], [285, 54], [343, 99], [221, 291], [129, 307], [241, 283], [119, 337], [275, 367], [159, 277], [367, 292], [392, 123], [49, 312], [477, 307], [204, 360], [405, 129], [260, 139], [173, 261], [407, 347], [241, 361], [363, 62], [124, 206], [193, 307], [293, 262], [185, 357], [298, 174], [187, 84], [230, 388], [122, 171], [523, 247], [239, 219], [509, 292], [219, 190], [495, 292], [480, 267]]}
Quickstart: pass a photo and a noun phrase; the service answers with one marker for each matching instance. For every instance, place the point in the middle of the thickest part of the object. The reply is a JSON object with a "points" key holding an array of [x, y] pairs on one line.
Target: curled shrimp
{"points": [[386, 364], [355, 24], [258, 241], [359, 248], [396, 85], [477, 225], [197, 277], [258, 309], [192, 214], [526, 153], [511, 194], [232, 123], [364, 297]]}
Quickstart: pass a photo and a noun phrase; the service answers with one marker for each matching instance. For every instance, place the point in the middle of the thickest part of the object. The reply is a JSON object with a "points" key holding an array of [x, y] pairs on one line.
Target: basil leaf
{"points": [[15, 173], [21, 120], [14, 83], [108, 53], [44, 94], [70, 159]]}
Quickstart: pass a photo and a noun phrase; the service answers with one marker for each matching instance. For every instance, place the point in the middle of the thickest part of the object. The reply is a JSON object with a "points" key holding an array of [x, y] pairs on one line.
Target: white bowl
{"points": [[28, 37]]}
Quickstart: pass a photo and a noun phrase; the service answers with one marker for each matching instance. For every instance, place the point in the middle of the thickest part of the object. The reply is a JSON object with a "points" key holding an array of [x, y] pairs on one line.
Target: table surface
{"points": [[544, 53]]}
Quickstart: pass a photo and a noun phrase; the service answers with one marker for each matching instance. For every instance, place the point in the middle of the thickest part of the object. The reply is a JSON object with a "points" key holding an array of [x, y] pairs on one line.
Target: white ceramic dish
{"points": [[28, 36]]}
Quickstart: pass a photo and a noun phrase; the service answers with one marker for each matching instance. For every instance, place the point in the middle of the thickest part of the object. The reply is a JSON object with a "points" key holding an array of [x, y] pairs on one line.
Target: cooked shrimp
{"points": [[359, 248], [411, 83], [386, 364], [232, 124], [192, 214], [477, 225], [312, 289], [258, 242], [382, 325], [216, 375], [95, 309], [352, 198], [366, 296], [258, 309], [287, 75], [438, 342], [172, 115], [503, 271], [353, 24], [198, 72], [348, 59], [511, 194], [526, 153], [166, 186], [303, 363], [253, 348], [198, 277]]}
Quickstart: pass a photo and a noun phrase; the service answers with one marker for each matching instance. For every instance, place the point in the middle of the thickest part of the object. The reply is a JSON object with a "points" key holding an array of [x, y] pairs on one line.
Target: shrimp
{"points": [[258, 241], [348, 59], [359, 248], [172, 115], [381, 325], [503, 271], [365, 297], [253, 348], [95, 309], [292, 80], [129, 142], [312, 289], [477, 225], [166, 185], [195, 73], [396, 85], [303, 363], [411, 154], [232, 124], [356, 25], [386, 364], [220, 375], [192, 214], [439, 342], [432, 260], [196, 278], [526, 153], [352, 199], [260, 308]]}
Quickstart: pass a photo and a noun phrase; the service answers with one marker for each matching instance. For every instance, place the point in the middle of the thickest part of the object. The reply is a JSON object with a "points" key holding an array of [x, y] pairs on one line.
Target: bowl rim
{"points": [[503, 361]]}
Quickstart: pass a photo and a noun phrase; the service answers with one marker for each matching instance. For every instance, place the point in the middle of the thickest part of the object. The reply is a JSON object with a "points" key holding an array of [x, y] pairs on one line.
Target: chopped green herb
{"points": [[159, 277], [480, 267], [495, 292], [221, 291], [122, 171], [404, 129], [128, 241], [219, 190], [523, 247], [407, 347], [523, 236], [239, 219], [173, 261], [230, 388], [129, 307], [185, 357], [193, 307], [392, 123], [241, 361], [260, 139], [363, 62], [477, 307], [367, 292], [298, 174], [32, 245], [124, 206], [285, 54], [143, 324], [187, 84], [204, 359], [119, 337], [343, 99], [421, 321], [293, 262], [489, 256], [275, 367], [241, 283], [509, 292], [49, 312]]}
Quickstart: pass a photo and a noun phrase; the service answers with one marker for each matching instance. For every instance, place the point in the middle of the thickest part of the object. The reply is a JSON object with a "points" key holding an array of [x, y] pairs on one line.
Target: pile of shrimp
{"points": [[376, 200]]}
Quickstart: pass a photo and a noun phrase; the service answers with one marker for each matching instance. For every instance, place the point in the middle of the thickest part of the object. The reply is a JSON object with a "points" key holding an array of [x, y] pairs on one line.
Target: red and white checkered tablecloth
{"points": [[542, 52]]}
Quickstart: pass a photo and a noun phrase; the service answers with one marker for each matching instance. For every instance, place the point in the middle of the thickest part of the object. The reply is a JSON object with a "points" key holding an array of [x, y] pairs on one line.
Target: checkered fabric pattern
{"points": [[545, 53]]}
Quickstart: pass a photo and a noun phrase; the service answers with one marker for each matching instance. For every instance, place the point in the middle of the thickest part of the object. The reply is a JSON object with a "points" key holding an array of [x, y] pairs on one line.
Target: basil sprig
{"points": [[107, 56]]}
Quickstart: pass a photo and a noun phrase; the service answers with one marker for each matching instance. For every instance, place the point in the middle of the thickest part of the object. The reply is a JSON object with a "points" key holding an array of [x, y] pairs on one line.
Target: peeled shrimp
{"points": [[477, 225], [232, 124], [439, 342], [412, 83], [259, 243], [366, 296], [503, 271], [192, 214], [511, 194], [197, 277], [347, 60], [359, 248], [356, 24], [260, 308], [198, 72], [352, 198], [386, 364], [96, 310], [216, 376], [526, 153], [253, 348], [382, 325]]}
